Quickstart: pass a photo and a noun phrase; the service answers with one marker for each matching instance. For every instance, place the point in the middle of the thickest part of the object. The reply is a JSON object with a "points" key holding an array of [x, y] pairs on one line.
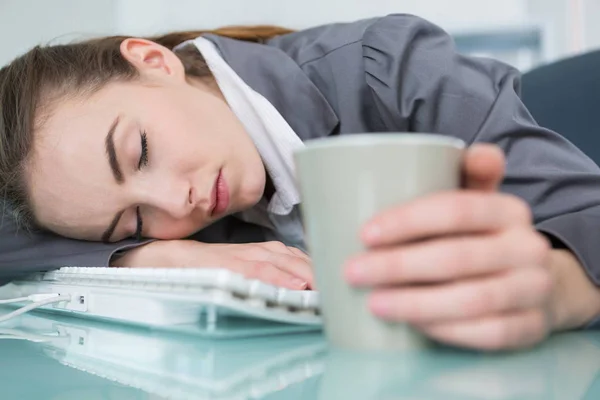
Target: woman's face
{"points": [[159, 157]]}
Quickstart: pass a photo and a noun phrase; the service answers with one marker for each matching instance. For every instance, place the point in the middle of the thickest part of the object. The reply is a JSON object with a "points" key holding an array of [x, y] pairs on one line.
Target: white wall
{"points": [[24, 23], [150, 16], [142, 17], [591, 25], [571, 26]]}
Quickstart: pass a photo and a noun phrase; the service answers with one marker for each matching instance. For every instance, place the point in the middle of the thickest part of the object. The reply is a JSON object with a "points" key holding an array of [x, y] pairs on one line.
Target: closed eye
{"points": [[140, 225], [144, 153]]}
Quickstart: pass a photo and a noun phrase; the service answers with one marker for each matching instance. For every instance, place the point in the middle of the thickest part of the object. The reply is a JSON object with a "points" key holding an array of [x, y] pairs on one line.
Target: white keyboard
{"points": [[168, 296]]}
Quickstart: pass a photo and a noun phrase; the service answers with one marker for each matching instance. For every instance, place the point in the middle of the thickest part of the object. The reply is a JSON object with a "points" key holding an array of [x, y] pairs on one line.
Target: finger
{"points": [[446, 213], [299, 253], [518, 289], [294, 265], [501, 332], [448, 258], [268, 273], [483, 167], [281, 256]]}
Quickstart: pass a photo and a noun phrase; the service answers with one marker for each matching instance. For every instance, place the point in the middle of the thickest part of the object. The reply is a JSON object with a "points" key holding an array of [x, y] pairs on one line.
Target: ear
{"points": [[152, 59]]}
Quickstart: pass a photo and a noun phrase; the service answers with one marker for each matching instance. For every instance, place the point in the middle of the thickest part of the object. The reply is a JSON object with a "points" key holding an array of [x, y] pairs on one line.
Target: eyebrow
{"points": [[111, 153]]}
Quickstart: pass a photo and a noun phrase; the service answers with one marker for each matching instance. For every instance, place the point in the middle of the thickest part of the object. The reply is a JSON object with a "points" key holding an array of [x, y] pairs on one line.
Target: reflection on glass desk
{"points": [[45, 356]]}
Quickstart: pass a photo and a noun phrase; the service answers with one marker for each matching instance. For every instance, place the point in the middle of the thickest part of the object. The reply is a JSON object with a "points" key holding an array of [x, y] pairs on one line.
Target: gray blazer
{"points": [[396, 73]]}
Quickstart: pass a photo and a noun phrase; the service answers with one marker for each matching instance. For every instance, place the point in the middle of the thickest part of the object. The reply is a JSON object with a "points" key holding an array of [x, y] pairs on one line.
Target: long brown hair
{"points": [[33, 82]]}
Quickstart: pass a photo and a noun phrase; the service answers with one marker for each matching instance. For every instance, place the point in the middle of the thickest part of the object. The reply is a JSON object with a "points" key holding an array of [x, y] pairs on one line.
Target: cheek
{"points": [[205, 127], [170, 229], [178, 138]]}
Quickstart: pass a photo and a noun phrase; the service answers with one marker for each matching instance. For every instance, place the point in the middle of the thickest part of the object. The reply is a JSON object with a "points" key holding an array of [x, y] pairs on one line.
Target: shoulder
{"points": [[366, 68], [314, 44]]}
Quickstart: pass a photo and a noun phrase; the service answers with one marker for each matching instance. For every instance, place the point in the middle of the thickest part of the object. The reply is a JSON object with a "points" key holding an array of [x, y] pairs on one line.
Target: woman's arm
{"points": [[420, 82], [575, 299], [23, 253], [513, 255]]}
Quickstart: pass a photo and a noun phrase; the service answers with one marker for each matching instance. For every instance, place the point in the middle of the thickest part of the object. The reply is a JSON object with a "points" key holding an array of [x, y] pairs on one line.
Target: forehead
{"points": [[68, 173]]}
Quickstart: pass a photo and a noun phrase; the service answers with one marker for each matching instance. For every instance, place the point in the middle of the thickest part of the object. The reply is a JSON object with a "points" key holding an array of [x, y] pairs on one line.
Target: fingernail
{"points": [[355, 272], [300, 283]]}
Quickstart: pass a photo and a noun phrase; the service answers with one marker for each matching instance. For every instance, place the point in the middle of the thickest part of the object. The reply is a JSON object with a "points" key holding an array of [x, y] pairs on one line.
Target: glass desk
{"points": [[44, 356]]}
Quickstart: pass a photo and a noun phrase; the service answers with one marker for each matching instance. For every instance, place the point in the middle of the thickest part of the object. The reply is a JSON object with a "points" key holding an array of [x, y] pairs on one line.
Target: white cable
{"points": [[43, 296], [32, 338], [32, 297], [17, 300], [40, 301]]}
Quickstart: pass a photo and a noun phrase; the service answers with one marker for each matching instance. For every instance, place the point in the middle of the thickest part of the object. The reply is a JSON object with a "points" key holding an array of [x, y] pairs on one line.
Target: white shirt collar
{"points": [[272, 135]]}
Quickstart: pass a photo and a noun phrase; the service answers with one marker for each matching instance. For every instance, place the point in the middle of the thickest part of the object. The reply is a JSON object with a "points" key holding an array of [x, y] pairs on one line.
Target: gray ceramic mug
{"points": [[346, 180]]}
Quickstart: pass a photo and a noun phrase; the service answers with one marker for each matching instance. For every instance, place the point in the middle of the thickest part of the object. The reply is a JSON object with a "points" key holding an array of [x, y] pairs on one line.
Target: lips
{"points": [[219, 196]]}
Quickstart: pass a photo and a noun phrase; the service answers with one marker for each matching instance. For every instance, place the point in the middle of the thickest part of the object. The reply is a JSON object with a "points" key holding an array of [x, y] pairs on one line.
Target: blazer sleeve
{"points": [[23, 252], [419, 82]]}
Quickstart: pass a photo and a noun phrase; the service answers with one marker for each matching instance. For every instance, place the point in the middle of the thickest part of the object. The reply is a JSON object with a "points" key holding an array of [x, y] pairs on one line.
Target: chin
{"points": [[246, 203], [253, 195]]}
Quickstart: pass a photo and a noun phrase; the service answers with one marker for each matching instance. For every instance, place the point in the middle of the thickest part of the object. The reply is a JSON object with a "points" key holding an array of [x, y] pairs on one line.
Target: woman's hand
{"points": [[466, 267], [271, 262]]}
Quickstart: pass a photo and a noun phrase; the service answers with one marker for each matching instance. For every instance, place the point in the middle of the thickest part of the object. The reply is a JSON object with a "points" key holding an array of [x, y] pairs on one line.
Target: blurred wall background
{"points": [[524, 33]]}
